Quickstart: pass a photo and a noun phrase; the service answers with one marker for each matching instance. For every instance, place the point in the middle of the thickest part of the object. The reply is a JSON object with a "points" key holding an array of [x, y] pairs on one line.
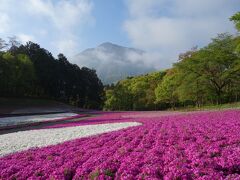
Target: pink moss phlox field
{"points": [[114, 117], [103, 119], [203, 145]]}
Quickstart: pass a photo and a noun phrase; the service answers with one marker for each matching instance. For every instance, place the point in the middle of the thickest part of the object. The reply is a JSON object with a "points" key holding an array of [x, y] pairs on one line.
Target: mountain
{"points": [[113, 62]]}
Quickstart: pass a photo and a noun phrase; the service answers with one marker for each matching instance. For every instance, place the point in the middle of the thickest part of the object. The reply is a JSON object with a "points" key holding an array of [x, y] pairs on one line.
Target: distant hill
{"points": [[113, 62]]}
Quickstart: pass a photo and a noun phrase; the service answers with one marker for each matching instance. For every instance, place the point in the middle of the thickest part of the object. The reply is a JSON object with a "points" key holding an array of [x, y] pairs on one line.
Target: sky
{"points": [[162, 28]]}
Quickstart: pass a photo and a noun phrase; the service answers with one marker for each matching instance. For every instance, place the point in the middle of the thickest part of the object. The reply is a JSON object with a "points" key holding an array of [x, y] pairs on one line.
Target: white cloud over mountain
{"points": [[113, 62], [170, 27]]}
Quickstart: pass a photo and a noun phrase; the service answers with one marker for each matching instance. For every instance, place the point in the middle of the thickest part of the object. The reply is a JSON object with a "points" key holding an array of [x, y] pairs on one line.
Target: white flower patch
{"points": [[10, 121], [23, 140]]}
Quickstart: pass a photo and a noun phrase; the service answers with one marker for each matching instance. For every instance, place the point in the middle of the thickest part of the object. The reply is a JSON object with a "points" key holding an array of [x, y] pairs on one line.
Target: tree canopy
{"points": [[133, 93], [31, 71]]}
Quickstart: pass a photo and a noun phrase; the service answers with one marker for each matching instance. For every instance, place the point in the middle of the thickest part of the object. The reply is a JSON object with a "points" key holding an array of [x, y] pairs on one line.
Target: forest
{"points": [[201, 76], [31, 71]]}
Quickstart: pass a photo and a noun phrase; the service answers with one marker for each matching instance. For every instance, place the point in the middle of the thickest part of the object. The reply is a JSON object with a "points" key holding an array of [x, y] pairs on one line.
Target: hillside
{"points": [[31, 106]]}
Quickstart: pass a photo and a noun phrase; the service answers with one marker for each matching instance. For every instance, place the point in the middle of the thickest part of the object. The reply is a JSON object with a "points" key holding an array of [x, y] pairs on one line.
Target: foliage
{"points": [[166, 90], [210, 75], [236, 19], [31, 71], [17, 74], [133, 93]]}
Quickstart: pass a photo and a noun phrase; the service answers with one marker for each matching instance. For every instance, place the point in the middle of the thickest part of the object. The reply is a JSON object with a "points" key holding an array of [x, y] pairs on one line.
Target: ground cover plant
{"points": [[36, 138], [200, 145]]}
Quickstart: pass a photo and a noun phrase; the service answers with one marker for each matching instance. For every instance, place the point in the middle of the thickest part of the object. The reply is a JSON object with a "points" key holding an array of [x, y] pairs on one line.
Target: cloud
{"points": [[63, 14], [4, 22], [169, 27], [68, 46], [25, 38], [147, 59], [56, 25]]}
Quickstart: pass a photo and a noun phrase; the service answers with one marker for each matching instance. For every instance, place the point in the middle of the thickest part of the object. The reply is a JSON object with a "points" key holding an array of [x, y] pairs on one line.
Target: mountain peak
{"points": [[113, 62], [115, 47], [108, 45]]}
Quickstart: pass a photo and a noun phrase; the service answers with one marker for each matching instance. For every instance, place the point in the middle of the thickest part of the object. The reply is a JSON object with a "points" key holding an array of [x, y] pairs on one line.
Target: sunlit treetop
{"points": [[236, 19]]}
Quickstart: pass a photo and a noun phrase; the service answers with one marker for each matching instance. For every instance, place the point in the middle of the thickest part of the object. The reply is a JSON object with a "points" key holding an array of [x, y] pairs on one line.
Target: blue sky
{"points": [[163, 28], [109, 16]]}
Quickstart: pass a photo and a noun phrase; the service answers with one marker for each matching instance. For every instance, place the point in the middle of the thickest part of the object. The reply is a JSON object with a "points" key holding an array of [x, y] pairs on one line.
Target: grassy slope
{"points": [[235, 105], [9, 105]]}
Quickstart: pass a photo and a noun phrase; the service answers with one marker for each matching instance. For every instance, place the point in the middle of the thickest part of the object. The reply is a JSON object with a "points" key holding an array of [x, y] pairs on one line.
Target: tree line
{"points": [[209, 75], [31, 71]]}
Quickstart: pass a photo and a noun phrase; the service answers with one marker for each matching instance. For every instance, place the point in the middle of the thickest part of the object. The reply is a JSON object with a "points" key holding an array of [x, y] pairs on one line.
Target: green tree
{"points": [[29, 70], [166, 90], [214, 69], [118, 98], [3, 44], [236, 19], [17, 75], [134, 93]]}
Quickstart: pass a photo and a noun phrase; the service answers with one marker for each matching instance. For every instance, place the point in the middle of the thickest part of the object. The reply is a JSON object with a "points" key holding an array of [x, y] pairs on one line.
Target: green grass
{"points": [[235, 105]]}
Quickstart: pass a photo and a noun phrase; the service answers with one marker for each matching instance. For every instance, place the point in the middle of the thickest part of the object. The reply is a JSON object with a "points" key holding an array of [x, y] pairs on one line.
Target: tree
{"points": [[134, 93], [29, 70], [142, 89], [118, 99], [3, 44], [17, 75], [236, 19], [166, 90], [13, 44], [93, 88], [214, 67]]}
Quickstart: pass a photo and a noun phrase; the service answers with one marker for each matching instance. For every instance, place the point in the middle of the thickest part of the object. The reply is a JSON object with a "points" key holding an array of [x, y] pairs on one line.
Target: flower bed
{"points": [[23, 140], [113, 117], [203, 145]]}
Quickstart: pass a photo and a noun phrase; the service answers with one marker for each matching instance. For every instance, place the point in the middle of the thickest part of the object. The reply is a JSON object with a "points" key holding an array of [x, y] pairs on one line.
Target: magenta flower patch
{"points": [[202, 145]]}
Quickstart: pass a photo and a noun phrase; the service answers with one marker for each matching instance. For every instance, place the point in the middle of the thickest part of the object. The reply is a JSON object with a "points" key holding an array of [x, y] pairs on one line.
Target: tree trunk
{"points": [[219, 98]]}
